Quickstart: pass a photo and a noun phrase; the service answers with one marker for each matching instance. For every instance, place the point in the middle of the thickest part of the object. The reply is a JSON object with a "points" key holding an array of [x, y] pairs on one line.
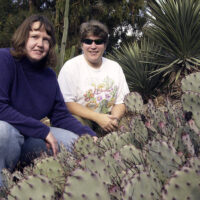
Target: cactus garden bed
{"points": [[154, 156]]}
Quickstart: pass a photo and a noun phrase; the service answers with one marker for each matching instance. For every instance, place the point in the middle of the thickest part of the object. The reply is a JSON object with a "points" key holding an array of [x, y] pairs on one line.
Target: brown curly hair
{"points": [[21, 35], [95, 28]]}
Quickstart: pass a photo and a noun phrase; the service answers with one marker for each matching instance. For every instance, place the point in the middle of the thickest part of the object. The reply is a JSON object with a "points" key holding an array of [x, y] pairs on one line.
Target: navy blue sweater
{"points": [[28, 93]]}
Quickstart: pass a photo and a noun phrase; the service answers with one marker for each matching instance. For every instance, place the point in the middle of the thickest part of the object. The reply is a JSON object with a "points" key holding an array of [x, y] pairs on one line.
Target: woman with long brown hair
{"points": [[29, 92]]}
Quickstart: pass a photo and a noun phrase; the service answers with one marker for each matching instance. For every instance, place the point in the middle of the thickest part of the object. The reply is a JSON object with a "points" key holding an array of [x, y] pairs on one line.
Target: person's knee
{"points": [[4, 133], [9, 134], [65, 137]]}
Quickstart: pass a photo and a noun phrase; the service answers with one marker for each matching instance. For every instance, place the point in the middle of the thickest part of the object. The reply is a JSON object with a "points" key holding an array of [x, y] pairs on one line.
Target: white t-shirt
{"points": [[98, 89]]}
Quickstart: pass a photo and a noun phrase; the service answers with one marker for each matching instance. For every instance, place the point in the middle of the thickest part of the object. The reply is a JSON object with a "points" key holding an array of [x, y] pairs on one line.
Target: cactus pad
{"points": [[143, 186], [82, 185], [34, 187], [134, 102], [184, 185]]}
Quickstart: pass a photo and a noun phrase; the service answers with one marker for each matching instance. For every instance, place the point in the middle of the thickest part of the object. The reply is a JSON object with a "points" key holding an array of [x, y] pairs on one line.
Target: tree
{"points": [[19, 9], [119, 16], [65, 33], [7, 23]]}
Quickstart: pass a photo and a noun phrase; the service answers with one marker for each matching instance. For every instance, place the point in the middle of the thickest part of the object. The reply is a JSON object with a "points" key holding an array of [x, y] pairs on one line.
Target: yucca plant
{"points": [[137, 62], [175, 26]]}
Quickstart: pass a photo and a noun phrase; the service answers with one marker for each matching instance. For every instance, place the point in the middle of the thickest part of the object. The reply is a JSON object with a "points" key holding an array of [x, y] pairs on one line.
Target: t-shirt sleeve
{"points": [[122, 87], [27, 126], [67, 83], [60, 117]]}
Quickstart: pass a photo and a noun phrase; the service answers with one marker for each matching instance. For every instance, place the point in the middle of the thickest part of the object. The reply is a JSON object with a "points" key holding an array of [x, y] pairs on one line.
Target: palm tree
{"points": [[175, 26]]}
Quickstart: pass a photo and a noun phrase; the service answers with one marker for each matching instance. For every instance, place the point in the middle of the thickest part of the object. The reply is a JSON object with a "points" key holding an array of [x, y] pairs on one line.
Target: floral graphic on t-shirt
{"points": [[101, 96]]}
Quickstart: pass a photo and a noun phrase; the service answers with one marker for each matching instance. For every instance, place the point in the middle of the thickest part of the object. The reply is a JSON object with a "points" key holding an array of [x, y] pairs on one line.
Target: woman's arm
{"points": [[103, 120]]}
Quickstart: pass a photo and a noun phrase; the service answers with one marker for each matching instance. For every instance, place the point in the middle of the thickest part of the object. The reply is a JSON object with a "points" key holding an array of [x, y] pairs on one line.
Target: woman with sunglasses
{"points": [[92, 85]]}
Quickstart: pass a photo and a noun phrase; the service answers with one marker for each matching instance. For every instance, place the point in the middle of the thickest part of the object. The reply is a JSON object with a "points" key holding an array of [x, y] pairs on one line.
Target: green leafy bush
{"points": [[175, 26], [137, 62]]}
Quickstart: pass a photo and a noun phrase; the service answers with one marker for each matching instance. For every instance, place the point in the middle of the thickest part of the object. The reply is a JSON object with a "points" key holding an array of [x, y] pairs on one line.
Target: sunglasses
{"points": [[97, 42]]}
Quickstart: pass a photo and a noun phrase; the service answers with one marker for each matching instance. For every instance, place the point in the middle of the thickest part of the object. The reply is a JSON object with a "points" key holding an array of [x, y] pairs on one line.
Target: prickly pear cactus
{"points": [[116, 141], [67, 160], [7, 178], [84, 146], [96, 165], [51, 168], [134, 103], [34, 187], [113, 163], [191, 96], [155, 156], [191, 83], [108, 141], [83, 184], [131, 156], [191, 103], [194, 163], [131, 172], [124, 124], [139, 131], [163, 158], [184, 185], [123, 139], [143, 186]]}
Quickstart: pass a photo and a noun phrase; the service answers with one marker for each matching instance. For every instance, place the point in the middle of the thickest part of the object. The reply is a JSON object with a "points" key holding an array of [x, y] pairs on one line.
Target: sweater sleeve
{"points": [[27, 126], [60, 117]]}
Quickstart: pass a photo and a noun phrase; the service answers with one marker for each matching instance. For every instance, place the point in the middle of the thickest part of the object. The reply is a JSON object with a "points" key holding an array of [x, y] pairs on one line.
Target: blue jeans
{"points": [[15, 147]]}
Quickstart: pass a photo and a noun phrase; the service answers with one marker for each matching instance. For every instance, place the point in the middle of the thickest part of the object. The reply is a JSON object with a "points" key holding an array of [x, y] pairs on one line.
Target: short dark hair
{"points": [[95, 28], [21, 35]]}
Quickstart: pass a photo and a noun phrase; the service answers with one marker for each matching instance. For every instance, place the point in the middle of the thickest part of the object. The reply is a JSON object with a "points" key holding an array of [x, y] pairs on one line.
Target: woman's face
{"points": [[38, 43], [93, 52]]}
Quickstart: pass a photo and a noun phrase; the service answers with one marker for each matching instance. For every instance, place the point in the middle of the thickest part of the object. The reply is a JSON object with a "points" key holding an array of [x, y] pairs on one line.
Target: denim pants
{"points": [[14, 147]]}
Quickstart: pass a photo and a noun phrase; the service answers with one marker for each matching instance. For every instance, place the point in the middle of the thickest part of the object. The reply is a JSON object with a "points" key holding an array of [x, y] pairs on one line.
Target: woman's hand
{"points": [[52, 143], [107, 122]]}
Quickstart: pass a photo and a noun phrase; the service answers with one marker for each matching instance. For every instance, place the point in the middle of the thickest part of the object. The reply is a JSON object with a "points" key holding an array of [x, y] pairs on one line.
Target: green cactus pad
{"points": [[184, 185], [131, 156], [139, 131], [82, 185], [34, 187], [96, 165], [113, 163], [124, 124], [125, 138], [191, 97], [108, 141], [115, 141], [67, 160], [191, 102], [194, 163], [191, 83], [51, 168], [129, 173], [134, 103], [163, 158], [179, 143], [175, 114], [85, 145], [7, 178], [143, 186]]}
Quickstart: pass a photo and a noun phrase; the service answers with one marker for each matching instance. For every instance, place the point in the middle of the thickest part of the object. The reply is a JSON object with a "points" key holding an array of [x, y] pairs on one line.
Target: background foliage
{"points": [[119, 16]]}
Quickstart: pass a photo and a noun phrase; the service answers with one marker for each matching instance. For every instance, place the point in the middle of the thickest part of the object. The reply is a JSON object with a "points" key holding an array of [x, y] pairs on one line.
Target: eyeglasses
{"points": [[89, 41]]}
